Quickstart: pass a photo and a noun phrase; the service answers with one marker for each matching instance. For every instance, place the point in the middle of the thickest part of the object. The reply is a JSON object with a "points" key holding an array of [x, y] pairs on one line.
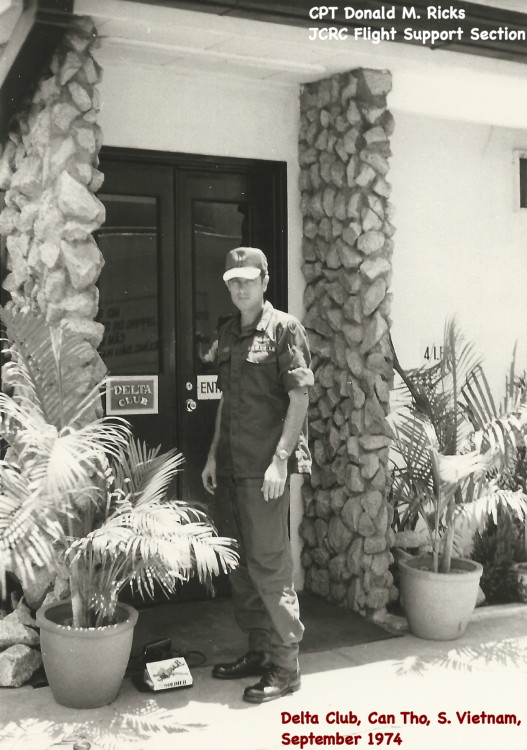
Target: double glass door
{"points": [[169, 223]]}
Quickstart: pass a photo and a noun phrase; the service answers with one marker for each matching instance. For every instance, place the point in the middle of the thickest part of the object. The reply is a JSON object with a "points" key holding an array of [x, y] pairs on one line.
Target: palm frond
{"points": [[157, 544], [413, 444], [489, 503], [158, 478], [65, 461], [79, 489], [27, 421], [29, 528], [49, 366], [453, 443], [145, 475], [455, 469], [515, 387], [459, 359], [131, 467], [478, 400]]}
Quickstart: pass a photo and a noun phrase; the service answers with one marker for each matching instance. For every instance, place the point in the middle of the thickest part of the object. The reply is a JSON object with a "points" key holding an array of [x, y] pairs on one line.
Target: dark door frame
{"points": [[194, 163], [191, 165], [197, 163]]}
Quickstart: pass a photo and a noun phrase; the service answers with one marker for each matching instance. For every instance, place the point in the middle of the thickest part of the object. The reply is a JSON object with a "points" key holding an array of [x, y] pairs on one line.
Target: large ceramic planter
{"points": [[84, 666], [438, 606]]}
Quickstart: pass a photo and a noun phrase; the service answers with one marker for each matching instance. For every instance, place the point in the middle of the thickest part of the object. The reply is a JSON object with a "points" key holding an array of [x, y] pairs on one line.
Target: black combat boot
{"points": [[253, 663], [275, 683]]}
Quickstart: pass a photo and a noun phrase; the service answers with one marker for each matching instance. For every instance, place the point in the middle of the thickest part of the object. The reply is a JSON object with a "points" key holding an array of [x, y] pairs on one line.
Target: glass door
{"points": [[136, 291], [170, 220], [218, 211]]}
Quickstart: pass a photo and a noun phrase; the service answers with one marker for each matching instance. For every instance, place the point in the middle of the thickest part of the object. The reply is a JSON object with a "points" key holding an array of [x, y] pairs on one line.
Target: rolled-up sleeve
{"points": [[293, 356]]}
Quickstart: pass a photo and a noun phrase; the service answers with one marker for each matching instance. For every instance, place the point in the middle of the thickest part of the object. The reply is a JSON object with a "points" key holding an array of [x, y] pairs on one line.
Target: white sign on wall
{"points": [[432, 353]]}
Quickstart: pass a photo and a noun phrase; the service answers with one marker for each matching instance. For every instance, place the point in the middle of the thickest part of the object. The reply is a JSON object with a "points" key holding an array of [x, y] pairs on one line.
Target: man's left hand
{"points": [[275, 478]]}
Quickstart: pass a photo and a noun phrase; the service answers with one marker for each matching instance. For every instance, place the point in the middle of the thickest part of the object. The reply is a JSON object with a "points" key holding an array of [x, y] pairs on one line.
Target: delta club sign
{"points": [[132, 394]]}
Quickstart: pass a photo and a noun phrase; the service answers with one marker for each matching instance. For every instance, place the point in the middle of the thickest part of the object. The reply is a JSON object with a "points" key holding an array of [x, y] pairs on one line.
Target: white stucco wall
{"points": [[460, 245]]}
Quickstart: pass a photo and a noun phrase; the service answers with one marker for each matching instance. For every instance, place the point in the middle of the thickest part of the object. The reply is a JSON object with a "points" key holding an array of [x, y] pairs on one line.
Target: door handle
{"points": [[190, 404]]}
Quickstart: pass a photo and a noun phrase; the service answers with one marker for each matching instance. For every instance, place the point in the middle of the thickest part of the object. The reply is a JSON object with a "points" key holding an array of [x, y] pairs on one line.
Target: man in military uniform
{"points": [[260, 437]]}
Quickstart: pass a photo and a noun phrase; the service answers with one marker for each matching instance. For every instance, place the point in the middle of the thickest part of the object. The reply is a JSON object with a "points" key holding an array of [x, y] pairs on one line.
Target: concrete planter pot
{"points": [[84, 666], [438, 606]]}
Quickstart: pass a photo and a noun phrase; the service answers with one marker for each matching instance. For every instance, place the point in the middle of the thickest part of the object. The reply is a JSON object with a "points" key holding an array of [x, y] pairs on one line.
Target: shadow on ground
{"points": [[508, 654]]}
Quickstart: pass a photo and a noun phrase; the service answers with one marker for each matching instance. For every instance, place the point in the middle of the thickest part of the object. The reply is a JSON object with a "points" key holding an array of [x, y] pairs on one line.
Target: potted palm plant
{"points": [[80, 495], [453, 447]]}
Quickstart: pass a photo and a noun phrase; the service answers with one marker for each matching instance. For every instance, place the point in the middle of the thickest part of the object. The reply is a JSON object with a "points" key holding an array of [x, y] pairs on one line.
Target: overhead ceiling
{"points": [[270, 39], [488, 16], [264, 39]]}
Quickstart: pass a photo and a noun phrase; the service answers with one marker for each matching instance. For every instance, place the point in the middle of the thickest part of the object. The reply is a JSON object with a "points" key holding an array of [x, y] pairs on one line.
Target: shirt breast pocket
{"points": [[261, 357], [261, 372]]}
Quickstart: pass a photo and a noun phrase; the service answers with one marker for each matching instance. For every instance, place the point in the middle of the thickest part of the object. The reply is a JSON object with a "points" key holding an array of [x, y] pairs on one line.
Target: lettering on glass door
{"points": [[129, 285], [130, 333]]}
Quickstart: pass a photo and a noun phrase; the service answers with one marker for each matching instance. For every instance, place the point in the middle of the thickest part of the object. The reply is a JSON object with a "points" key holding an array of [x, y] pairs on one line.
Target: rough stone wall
{"points": [[48, 169], [347, 248]]}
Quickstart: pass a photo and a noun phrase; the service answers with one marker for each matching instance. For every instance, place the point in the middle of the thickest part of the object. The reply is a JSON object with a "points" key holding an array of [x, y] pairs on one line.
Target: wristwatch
{"points": [[282, 454]]}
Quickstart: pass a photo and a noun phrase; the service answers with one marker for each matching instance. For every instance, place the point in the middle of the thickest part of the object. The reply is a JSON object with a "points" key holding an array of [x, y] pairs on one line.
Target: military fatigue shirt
{"points": [[257, 367]]}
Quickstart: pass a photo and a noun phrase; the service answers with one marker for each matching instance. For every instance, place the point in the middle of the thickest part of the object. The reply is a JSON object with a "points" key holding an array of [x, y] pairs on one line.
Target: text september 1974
{"points": [[377, 728]]}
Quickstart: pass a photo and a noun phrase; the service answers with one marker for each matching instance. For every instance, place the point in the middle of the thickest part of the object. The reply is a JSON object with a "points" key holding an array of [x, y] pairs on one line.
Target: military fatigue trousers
{"points": [[264, 600]]}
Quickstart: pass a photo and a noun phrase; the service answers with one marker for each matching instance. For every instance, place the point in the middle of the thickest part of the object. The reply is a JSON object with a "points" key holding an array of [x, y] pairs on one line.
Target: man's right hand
{"points": [[208, 475]]}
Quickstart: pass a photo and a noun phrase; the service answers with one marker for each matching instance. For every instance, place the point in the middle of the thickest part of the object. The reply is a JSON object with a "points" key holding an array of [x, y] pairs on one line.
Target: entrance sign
{"points": [[132, 394], [207, 388]]}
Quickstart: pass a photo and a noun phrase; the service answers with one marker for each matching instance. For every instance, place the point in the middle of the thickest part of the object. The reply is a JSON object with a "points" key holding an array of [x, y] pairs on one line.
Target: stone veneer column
{"points": [[48, 169], [347, 248]]}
